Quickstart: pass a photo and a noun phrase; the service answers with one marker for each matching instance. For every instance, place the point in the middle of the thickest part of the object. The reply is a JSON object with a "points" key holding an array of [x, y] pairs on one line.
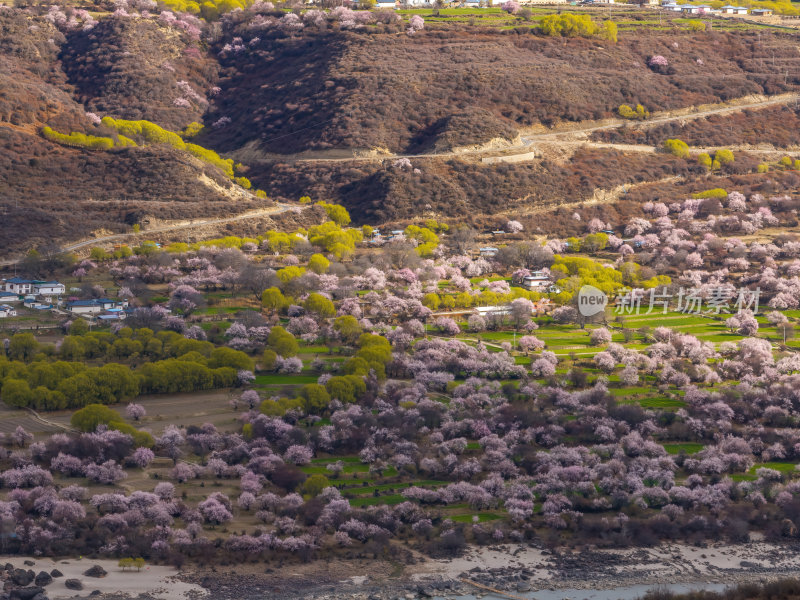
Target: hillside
{"points": [[265, 88], [454, 88], [54, 193], [138, 69]]}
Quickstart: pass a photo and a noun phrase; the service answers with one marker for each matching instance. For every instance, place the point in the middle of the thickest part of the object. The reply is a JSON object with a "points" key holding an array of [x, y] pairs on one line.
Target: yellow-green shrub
{"points": [[713, 193], [78, 140], [677, 148]]}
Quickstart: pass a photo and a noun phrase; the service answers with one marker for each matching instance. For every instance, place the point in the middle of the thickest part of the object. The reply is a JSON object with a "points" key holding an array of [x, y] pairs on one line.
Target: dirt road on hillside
{"points": [[570, 134], [188, 224]]}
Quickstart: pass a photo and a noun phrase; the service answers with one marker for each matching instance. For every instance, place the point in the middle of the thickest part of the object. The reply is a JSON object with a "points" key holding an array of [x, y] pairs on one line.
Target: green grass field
{"points": [[686, 447]]}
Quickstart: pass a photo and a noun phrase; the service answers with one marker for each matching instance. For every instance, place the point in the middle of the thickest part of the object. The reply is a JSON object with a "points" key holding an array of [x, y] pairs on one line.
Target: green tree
{"points": [[72, 348], [314, 485], [336, 213], [278, 408], [16, 393], [609, 32], [273, 299], [228, 357], [79, 390], [99, 254], [725, 156], [268, 360], [315, 398], [348, 327], [114, 382], [346, 388], [431, 300], [319, 305], [286, 274], [79, 327], [319, 264], [595, 242], [23, 347], [282, 342], [88, 418]]}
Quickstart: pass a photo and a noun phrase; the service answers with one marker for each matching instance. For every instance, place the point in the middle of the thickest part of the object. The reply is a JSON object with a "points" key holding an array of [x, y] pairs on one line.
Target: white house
{"points": [[489, 251], [7, 311], [19, 286], [488, 311], [537, 280], [114, 314], [94, 306], [729, 9], [761, 12], [6, 297], [689, 9], [49, 288], [32, 302], [386, 4]]}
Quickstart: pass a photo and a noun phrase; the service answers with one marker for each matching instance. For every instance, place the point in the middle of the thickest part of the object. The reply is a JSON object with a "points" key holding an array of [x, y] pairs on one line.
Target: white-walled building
{"points": [[19, 286], [94, 306], [49, 288], [537, 281], [6, 297]]}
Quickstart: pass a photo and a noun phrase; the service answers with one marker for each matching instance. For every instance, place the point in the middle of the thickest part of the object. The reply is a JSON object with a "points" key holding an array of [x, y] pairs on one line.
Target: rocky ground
{"points": [[520, 570], [29, 578], [517, 570]]}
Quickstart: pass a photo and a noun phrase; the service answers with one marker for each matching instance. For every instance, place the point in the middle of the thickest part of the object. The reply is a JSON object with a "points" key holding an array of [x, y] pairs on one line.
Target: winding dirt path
{"points": [[569, 134], [190, 224]]}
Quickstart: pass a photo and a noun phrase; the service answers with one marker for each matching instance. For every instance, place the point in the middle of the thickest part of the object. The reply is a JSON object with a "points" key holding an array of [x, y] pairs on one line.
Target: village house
{"points": [[536, 281], [48, 288], [488, 252], [729, 9], [761, 12], [113, 314], [7, 311], [492, 311], [702, 9], [18, 286], [94, 306], [33, 302], [6, 297]]}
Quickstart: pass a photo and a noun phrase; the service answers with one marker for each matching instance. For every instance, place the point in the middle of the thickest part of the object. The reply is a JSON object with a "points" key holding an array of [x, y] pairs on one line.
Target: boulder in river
{"points": [[28, 593], [95, 571], [73, 584]]}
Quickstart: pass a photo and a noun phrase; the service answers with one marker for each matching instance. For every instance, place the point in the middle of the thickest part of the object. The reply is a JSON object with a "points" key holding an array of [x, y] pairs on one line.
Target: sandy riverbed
{"points": [[667, 563], [154, 580]]}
